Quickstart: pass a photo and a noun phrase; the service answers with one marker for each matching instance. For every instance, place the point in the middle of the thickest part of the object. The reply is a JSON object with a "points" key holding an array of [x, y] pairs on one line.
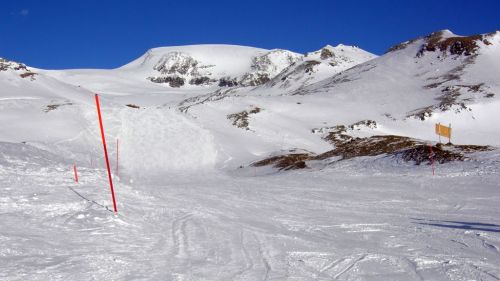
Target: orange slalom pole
{"points": [[105, 152]]}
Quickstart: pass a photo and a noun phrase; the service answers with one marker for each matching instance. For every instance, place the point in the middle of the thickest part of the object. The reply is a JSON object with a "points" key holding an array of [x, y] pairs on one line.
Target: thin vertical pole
{"points": [[449, 137], [439, 132], [105, 152], [75, 172]]}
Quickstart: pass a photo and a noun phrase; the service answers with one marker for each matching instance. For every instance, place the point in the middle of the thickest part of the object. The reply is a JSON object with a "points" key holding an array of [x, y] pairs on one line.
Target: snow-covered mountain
{"points": [[281, 96], [214, 66], [316, 66], [205, 135], [441, 77]]}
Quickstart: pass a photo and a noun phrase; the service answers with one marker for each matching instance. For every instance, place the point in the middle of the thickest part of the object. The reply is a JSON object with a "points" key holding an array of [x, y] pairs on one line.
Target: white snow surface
{"points": [[191, 208]]}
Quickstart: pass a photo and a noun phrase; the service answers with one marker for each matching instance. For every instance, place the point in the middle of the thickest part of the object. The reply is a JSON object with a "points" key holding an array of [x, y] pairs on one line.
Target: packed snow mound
{"points": [[159, 141]]}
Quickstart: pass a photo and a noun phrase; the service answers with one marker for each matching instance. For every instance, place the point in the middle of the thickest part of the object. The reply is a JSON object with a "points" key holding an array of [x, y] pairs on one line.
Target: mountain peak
{"points": [[443, 33], [447, 42]]}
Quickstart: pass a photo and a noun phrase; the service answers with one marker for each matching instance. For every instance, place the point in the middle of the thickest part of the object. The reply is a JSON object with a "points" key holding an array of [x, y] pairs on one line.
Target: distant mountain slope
{"points": [[440, 77], [202, 67], [318, 65], [248, 103], [441, 70], [38, 108]]}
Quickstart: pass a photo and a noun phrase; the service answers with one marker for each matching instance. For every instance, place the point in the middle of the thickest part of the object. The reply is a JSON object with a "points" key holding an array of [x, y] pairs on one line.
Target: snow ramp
{"points": [[155, 141]]}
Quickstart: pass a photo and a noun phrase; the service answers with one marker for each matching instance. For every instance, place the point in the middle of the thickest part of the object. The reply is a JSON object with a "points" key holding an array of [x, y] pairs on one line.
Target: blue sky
{"points": [[56, 34]]}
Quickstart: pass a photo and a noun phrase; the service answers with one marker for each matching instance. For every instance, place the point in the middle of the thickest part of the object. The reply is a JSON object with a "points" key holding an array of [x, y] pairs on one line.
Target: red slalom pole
{"points": [[75, 172], [105, 152]]}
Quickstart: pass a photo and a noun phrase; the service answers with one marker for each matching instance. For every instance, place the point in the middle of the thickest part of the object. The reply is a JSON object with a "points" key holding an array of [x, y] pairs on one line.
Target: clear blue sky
{"points": [[57, 34]]}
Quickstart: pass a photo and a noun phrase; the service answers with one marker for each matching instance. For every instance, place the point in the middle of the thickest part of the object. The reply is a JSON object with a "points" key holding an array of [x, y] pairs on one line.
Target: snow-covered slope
{"points": [[319, 65], [26, 99], [191, 120], [440, 78], [193, 68], [289, 101]]}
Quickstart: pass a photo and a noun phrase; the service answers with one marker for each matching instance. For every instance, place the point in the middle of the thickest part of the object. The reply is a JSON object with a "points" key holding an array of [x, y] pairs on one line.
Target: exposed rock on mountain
{"points": [[20, 68], [319, 65], [267, 66], [437, 73], [448, 43]]}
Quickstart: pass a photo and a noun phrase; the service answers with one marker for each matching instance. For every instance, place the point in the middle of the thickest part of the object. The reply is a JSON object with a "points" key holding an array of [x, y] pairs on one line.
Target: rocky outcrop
{"points": [[320, 64], [448, 43], [267, 66], [172, 81], [203, 80], [12, 65], [175, 68], [177, 63], [20, 68], [228, 82]]}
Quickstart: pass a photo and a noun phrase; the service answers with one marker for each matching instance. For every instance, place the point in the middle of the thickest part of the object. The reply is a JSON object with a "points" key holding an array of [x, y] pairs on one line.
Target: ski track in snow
{"points": [[214, 226]]}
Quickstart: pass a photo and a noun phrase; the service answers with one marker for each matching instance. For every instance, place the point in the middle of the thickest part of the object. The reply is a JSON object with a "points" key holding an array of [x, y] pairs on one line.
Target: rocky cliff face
{"points": [[267, 66], [447, 43], [11, 65], [318, 65], [178, 69], [21, 69]]}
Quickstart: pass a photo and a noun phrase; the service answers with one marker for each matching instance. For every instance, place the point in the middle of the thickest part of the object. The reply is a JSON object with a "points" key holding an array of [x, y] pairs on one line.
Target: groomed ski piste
{"points": [[191, 204]]}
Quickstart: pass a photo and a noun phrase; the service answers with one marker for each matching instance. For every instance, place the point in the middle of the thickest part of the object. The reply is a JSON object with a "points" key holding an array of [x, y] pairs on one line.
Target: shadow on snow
{"points": [[489, 227]]}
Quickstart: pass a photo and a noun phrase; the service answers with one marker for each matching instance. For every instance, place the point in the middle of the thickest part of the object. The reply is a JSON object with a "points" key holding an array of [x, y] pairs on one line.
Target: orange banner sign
{"points": [[443, 130]]}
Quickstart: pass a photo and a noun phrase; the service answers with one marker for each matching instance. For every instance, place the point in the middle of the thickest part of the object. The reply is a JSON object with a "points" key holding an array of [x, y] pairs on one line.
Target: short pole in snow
{"points": [[75, 172], [439, 124], [431, 158], [449, 137], [105, 152]]}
